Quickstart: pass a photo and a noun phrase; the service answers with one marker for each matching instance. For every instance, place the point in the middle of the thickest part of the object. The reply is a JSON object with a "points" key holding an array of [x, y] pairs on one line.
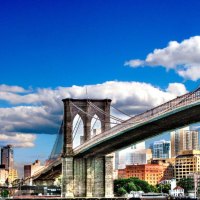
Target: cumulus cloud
{"points": [[182, 57], [176, 88], [17, 139], [40, 111], [15, 89]]}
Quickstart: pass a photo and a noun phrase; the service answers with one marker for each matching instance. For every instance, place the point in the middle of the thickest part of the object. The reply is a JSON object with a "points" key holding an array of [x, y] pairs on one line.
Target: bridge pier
{"points": [[96, 179], [79, 177], [68, 180], [99, 181], [85, 177], [109, 186], [90, 177]]}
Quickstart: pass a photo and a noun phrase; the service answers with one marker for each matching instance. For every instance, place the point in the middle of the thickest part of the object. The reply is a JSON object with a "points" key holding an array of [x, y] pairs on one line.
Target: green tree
{"points": [[153, 188], [119, 183], [132, 184], [131, 187], [164, 187], [121, 191], [4, 193], [187, 184], [142, 184]]}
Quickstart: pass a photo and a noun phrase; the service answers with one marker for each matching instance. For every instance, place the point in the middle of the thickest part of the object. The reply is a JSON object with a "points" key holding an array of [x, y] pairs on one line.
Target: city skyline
{"points": [[138, 53]]}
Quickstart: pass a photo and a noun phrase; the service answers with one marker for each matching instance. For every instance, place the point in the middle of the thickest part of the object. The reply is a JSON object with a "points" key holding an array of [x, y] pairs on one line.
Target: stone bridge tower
{"points": [[88, 176]]}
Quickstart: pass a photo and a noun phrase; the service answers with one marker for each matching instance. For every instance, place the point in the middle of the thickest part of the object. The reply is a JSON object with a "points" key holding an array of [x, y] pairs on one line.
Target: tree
{"points": [[153, 188], [142, 184], [187, 184], [164, 187], [121, 191], [132, 184], [4, 193], [131, 187]]}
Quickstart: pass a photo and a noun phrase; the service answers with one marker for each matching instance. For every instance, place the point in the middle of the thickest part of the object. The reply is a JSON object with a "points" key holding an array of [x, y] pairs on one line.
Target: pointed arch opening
{"points": [[95, 126], [78, 131]]}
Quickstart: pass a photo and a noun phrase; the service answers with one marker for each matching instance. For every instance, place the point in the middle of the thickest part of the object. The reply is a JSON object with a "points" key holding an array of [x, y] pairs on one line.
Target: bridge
{"points": [[87, 169]]}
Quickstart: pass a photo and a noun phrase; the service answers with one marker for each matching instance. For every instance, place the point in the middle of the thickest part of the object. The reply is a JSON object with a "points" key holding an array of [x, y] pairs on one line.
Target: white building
{"points": [[140, 156], [3, 176], [136, 154], [177, 192]]}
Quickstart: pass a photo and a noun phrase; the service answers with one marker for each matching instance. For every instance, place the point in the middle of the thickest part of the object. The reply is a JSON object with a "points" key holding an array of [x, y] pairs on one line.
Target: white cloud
{"points": [[17, 139], [177, 89], [7, 88], [41, 110], [183, 57]]}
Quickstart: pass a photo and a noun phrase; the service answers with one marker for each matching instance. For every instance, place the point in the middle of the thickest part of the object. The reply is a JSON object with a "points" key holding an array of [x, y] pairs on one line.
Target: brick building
{"points": [[152, 173]]}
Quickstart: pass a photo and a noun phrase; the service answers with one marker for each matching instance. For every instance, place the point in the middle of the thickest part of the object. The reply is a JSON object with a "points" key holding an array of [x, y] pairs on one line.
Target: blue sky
{"points": [[46, 47]]}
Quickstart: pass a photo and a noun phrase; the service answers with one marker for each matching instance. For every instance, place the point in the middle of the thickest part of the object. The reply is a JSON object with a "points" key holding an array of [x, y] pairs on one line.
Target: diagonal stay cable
{"points": [[121, 111], [91, 115], [76, 128], [100, 110]]}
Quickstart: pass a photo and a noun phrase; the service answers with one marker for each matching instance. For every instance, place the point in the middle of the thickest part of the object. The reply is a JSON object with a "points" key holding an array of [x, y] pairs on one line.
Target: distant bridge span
{"points": [[179, 112]]}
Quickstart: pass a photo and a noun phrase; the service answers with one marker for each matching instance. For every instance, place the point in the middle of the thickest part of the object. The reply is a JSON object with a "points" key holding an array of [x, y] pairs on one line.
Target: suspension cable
{"points": [[121, 111], [91, 115], [100, 110]]}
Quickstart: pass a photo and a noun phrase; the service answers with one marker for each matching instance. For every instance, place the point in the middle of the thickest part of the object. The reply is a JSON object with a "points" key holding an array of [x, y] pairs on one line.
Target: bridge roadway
{"points": [[176, 113], [131, 132]]}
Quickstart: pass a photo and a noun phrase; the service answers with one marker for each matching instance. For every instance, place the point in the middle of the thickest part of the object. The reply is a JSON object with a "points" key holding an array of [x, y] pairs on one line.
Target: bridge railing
{"points": [[172, 104], [180, 101]]}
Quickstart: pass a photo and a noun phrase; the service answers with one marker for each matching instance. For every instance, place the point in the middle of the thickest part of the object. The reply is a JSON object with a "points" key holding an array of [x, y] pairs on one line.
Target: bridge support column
{"points": [[99, 174], [109, 176], [90, 177], [68, 179], [99, 181], [79, 177]]}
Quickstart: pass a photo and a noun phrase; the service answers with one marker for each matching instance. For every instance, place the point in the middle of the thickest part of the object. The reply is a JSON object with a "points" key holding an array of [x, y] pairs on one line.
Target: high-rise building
{"points": [[187, 162], [161, 149], [122, 157], [183, 139], [7, 157], [138, 156]]}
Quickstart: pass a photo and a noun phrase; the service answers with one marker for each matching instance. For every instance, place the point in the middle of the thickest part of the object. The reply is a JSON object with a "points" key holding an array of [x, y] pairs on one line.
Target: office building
{"points": [[126, 156], [140, 156], [183, 139], [161, 149], [187, 162], [7, 157]]}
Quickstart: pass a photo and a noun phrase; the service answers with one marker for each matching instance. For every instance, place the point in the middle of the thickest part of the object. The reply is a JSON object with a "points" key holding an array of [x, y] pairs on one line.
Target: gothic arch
{"points": [[96, 126], [77, 132]]}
